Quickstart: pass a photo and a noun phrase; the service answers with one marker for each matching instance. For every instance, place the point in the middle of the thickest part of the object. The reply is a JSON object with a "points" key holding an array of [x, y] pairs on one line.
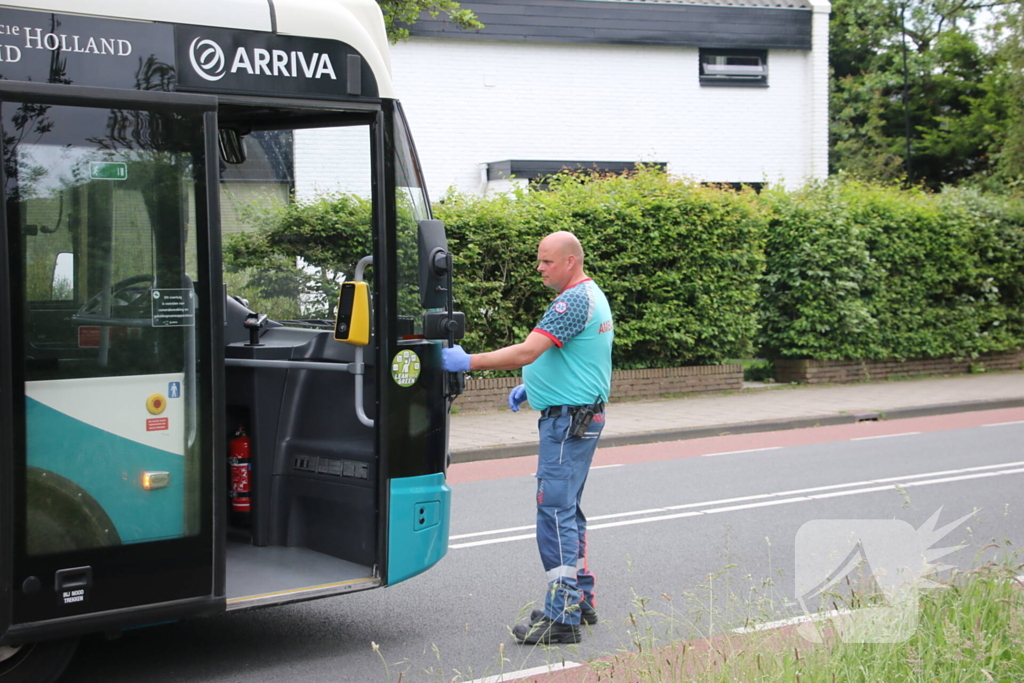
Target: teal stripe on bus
{"points": [[418, 524], [109, 468]]}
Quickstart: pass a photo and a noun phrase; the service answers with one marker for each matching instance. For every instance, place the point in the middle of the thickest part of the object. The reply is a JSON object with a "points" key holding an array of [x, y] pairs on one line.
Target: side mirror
{"points": [[352, 325], [232, 146], [435, 264]]}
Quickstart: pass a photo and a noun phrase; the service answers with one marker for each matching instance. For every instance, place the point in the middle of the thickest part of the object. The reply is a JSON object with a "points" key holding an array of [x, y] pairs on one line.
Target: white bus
{"points": [[131, 133]]}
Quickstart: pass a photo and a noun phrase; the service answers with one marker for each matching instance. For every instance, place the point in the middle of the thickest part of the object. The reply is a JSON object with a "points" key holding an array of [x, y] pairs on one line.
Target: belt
{"points": [[558, 411]]}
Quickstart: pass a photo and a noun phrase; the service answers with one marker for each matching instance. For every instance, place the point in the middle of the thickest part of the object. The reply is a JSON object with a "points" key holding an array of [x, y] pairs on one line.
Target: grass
{"points": [[970, 629], [754, 369]]}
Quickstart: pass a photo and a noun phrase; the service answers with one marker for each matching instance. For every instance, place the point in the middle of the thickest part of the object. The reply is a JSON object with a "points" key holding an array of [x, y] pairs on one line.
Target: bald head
{"points": [[565, 244], [560, 260]]}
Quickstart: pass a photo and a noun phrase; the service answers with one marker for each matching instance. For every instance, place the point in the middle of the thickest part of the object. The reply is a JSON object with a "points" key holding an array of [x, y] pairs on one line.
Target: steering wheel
{"points": [[126, 292]]}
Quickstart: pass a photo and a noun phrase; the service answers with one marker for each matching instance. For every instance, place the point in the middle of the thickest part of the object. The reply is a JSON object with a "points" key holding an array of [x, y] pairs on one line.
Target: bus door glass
{"points": [[417, 399], [101, 215], [413, 397]]}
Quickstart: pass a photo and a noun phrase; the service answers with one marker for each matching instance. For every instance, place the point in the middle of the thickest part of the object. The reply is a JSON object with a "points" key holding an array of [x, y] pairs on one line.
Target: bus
{"points": [[168, 450]]}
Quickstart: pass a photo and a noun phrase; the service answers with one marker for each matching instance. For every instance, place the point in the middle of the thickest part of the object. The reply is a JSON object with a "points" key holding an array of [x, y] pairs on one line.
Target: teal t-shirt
{"points": [[577, 370]]}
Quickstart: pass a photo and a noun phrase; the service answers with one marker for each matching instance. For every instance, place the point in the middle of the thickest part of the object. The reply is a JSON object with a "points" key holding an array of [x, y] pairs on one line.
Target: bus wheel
{"points": [[36, 662]]}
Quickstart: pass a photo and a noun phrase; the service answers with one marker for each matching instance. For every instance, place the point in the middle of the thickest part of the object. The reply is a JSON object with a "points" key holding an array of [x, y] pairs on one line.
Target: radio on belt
{"points": [[581, 419]]}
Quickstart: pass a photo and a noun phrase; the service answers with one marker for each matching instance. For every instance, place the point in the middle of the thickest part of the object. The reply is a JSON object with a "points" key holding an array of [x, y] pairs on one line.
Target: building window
{"points": [[737, 187], [535, 174], [734, 67]]}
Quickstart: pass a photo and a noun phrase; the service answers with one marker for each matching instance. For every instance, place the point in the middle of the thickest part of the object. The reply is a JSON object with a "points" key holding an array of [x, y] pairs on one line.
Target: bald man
{"points": [[567, 370]]}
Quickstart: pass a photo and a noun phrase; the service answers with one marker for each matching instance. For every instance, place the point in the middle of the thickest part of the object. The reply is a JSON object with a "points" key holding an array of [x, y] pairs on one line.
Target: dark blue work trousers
{"points": [[562, 468]]}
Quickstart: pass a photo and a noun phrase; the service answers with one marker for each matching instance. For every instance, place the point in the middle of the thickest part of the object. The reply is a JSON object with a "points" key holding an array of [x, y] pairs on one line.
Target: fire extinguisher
{"points": [[239, 460]]}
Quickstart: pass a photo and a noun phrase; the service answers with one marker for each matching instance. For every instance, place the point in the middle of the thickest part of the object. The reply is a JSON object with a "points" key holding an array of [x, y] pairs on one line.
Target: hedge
{"points": [[838, 270], [678, 262], [859, 271]]}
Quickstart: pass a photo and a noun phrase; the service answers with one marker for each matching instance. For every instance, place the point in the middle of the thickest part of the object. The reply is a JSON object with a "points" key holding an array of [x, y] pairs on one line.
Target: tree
{"points": [[909, 78], [399, 14], [1008, 85]]}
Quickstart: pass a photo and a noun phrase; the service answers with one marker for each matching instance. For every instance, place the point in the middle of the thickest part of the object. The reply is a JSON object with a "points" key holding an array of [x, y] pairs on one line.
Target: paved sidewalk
{"points": [[507, 434]]}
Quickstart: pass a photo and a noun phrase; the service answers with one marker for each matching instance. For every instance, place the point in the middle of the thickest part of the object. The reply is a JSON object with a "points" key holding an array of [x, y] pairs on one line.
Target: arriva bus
{"points": [[166, 451]]}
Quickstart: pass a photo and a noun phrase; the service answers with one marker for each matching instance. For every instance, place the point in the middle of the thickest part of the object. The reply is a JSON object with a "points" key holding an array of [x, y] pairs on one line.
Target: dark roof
{"points": [[760, 24], [779, 4]]}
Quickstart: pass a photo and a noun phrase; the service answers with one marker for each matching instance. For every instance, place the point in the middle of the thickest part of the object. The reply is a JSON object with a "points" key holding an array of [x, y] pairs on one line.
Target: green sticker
{"points": [[405, 368]]}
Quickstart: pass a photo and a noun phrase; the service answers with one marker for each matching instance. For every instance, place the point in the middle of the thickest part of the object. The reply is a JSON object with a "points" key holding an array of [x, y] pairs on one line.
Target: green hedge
{"points": [[838, 270], [858, 271], [678, 262]]}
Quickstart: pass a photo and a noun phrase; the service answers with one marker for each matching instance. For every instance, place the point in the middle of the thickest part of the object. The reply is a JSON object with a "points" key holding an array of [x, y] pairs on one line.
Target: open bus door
{"points": [[107, 387], [348, 435]]}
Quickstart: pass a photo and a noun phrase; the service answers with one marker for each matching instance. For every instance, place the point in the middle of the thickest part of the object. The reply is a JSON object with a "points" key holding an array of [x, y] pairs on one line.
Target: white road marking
{"points": [[749, 450], [782, 623], [491, 533], [765, 500], [503, 539], [1003, 424], [604, 467], [524, 673], [883, 436]]}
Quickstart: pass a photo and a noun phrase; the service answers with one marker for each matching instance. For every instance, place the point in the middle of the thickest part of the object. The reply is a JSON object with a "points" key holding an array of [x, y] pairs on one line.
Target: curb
{"points": [[518, 450]]}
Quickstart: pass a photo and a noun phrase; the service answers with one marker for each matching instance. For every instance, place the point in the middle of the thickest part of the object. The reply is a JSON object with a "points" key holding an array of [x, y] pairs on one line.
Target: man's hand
{"points": [[516, 398], [455, 359]]}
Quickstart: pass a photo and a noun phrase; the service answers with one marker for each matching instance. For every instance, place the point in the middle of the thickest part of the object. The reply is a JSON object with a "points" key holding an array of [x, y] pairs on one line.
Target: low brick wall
{"points": [[837, 371], [487, 395]]}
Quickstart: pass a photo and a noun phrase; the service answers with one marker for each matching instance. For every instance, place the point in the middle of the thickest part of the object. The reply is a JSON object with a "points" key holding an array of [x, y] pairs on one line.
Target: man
{"points": [[567, 369]]}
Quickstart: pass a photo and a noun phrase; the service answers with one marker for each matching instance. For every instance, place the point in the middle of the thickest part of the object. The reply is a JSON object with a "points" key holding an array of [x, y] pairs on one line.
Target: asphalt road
{"points": [[685, 536]]}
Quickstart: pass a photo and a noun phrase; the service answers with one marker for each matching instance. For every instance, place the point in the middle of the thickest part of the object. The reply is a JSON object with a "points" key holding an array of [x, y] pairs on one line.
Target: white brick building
{"points": [[555, 81]]}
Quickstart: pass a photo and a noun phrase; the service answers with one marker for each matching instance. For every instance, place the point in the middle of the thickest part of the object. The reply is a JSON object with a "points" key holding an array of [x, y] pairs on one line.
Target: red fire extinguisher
{"points": [[239, 459]]}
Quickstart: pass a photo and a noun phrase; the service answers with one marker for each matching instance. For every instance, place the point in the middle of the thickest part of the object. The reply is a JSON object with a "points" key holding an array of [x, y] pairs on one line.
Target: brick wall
{"points": [[826, 371], [485, 395]]}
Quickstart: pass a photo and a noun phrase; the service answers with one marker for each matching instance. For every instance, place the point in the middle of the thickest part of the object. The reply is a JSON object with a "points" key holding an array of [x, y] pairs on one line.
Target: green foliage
{"points": [[860, 271], [678, 262], [399, 14], [326, 235], [1006, 85], [958, 94], [838, 270]]}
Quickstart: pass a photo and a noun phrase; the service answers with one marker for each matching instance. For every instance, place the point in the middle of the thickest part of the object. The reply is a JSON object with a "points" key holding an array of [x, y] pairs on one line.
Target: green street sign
{"points": [[108, 170]]}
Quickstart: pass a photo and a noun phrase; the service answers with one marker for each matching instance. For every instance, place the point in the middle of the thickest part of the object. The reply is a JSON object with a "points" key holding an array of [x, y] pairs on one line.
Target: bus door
{"points": [[108, 375], [306, 523], [415, 391], [348, 440]]}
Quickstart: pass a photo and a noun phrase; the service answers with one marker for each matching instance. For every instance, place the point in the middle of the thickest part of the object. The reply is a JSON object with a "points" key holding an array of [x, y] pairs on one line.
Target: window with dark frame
{"points": [[744, 68], [736, 187], [538, 173]]}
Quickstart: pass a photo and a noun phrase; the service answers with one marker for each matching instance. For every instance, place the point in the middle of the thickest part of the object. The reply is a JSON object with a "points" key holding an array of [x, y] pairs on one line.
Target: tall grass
{"points": [[970, 629]]}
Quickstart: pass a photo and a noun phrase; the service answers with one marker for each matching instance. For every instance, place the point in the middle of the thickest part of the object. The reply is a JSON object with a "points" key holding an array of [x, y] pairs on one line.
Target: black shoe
{"points": [[545, 631], [588, 615]]}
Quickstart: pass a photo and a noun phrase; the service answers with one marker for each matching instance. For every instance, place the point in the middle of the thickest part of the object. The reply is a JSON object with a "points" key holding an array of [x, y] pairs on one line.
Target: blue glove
{"points": [[516, 398], [455, 359]]}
